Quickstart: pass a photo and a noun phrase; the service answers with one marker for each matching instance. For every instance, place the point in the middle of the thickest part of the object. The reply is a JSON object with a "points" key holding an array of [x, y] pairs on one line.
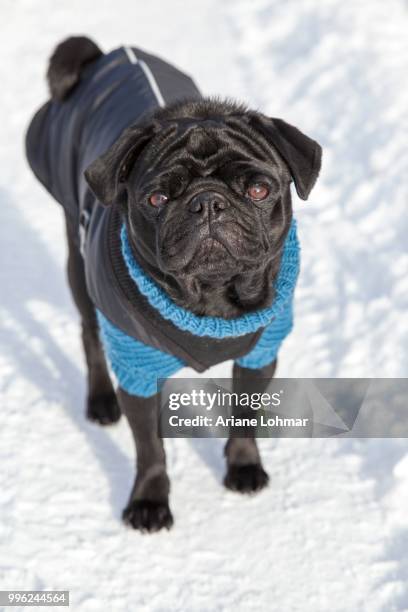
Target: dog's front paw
{"points": [[103, 409], [147, 516], [246, 478]]}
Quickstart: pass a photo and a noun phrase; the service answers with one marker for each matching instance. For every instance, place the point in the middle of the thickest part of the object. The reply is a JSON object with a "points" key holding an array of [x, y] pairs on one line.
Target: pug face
{"points": [[205, 192]]}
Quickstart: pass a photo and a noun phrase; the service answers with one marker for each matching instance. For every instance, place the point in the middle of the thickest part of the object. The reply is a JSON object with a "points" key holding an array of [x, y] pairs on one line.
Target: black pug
{"points": [[178, 210]]}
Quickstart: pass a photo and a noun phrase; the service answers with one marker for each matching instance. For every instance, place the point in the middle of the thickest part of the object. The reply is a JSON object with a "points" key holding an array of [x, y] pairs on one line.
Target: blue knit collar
{"points": [[217, 327]]}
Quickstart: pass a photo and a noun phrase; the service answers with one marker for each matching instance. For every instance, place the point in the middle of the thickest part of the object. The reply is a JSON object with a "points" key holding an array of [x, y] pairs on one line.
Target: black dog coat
{"points": [[141, 328]]}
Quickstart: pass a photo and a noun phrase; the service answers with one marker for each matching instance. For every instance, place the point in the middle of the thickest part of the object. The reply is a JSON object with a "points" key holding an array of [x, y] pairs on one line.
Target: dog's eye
{"points": [[158, 199], [258, 191]]}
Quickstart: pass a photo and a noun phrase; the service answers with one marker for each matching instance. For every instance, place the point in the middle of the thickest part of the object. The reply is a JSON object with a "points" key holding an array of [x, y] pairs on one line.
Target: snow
{"points": [[331, 532]]}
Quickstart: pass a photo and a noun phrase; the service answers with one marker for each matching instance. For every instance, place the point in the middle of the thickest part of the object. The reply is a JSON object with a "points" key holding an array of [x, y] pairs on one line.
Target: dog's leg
{"points": [[245, 473], [148, 506], [102, 406]]}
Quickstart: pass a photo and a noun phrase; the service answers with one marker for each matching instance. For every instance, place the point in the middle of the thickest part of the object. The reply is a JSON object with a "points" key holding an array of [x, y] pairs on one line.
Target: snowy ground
{"points": [[331, 532]]}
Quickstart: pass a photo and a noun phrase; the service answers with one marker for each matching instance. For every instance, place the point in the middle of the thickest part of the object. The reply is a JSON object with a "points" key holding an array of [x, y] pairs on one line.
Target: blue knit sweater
{"points": [[138, 366]]}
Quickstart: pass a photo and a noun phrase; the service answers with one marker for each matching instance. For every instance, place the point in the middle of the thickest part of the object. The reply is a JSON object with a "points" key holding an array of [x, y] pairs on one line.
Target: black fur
{"points": [[66, 63], [203, 154], [218, 263]]}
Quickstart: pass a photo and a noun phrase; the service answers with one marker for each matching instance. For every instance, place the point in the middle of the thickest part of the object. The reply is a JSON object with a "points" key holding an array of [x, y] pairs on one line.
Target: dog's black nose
{"points": [[207, 201]]}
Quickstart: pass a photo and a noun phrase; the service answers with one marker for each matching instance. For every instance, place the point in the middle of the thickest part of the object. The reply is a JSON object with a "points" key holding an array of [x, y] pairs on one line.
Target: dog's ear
{"points": [[302, 155], [107, 174]]}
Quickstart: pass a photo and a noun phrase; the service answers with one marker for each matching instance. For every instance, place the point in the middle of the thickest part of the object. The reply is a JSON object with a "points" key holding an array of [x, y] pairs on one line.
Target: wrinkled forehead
{"points": [[204, 146]]}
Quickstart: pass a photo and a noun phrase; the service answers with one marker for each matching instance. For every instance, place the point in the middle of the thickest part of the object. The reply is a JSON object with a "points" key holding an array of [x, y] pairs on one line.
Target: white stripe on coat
{"points": [[148, 74]]}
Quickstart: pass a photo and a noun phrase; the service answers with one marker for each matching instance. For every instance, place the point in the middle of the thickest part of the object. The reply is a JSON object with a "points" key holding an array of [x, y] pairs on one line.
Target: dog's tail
{"points": [[66, 63]]}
